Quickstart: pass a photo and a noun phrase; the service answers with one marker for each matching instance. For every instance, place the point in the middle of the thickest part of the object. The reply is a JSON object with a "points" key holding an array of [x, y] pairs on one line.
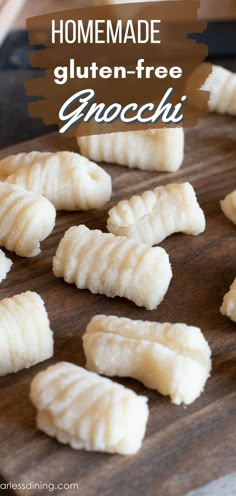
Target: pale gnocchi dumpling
{"points": [[12, 163], [25, 334], [154, 215], [228, 206], [154, 149], [68, 180], [174, 359], [221, 83], [87, 411], [113, 266], [5, 266], [26, 219], [228, 306]]}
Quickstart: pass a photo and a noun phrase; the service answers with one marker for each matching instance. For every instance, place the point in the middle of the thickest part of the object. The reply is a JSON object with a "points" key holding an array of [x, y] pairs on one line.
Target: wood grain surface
{"points": [[184, 448]]}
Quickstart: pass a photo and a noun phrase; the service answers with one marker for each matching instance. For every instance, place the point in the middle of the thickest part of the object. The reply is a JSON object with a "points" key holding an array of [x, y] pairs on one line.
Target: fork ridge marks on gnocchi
{"points": [[228, 206], [113, 266], [87, 411], [154, 215], [25, 334], [26, 219], [154, 149], [174, 359], [221, 83], [228, 306], [12, 163], [68, 180], [5, 266]]}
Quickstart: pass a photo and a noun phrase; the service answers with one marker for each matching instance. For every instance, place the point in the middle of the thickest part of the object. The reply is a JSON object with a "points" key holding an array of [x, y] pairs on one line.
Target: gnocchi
{"points": [[5, 266], [87, 411], [25, 220], [11, 164], [154, 215], [25, 334], [228, 306], [221, 83], [174, 359], [228, 206], [154, 149], [68, 180], [113, 266]]}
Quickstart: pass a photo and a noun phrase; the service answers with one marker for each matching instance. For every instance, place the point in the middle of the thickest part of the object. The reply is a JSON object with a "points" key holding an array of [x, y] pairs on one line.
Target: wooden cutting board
{"points": [[184, 448]]}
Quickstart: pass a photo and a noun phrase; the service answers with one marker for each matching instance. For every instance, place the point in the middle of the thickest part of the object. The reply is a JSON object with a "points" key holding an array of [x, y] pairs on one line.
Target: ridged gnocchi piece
{"points": [[221, 83], [154, 149], [26, 219], [10, 164], [87, 411], [154, 215], [25, 334], [174, 359], [68, 180], [113, 266], [5, 266], [228, 306], [228, 206]]}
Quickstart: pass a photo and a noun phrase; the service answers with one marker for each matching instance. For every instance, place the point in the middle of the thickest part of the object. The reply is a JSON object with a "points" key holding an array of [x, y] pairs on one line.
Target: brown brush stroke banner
{"points": [[177, 20]]}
